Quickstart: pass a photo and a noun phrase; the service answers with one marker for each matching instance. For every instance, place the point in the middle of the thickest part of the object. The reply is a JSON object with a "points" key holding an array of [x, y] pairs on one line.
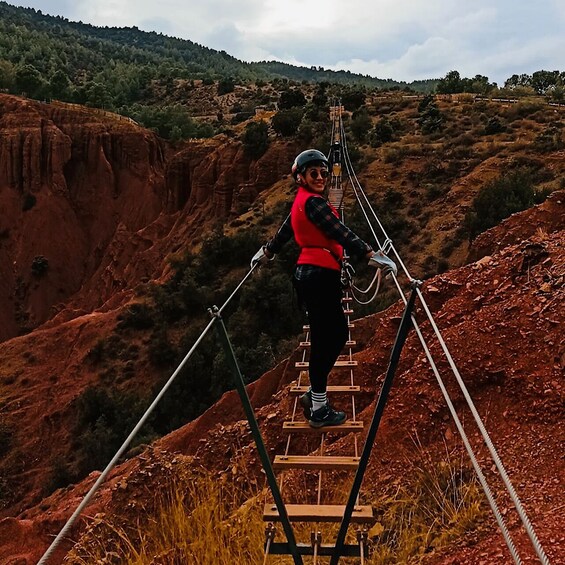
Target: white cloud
{"points": [[418, 62], [399, 39]]}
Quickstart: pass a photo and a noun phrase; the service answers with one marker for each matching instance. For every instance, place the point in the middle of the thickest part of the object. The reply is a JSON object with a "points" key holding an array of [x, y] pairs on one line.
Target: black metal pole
{"points": [[403, 329], [266, 462]]}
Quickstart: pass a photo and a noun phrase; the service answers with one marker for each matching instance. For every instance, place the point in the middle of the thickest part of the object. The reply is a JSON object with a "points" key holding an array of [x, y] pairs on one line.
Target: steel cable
{"points": [[502, 471], [462, 433], [44, 559]]}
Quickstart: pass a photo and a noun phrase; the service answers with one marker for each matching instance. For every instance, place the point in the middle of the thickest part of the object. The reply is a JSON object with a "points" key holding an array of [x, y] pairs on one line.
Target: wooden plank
{"points": [[307, 344], [348, 312], [318, 513], [316, 462], [348, 389], [347, 299], [327, 550], [303, 426], [337, 364], [306, 327]]}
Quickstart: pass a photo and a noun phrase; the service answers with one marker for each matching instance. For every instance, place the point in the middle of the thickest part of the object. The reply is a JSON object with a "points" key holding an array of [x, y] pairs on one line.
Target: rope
{"points": [[133, 433], [378, 278], [366, 291], [502, 471], [389, 246], [494, 454]]}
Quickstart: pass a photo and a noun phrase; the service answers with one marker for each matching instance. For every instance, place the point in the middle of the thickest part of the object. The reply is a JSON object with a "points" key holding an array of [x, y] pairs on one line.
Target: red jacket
{"points": [[316, 248]]}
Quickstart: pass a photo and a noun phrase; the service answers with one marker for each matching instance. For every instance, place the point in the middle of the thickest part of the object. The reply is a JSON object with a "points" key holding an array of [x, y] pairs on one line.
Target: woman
{"points": [[322, 238]]}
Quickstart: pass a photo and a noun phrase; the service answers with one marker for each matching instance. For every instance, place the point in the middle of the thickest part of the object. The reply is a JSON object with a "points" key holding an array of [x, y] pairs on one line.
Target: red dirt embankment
{"points": [[502, 319]]}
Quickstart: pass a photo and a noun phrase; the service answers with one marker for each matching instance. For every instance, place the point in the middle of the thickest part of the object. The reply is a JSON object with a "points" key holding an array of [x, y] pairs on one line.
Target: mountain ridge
{"points": [[200, 57]]}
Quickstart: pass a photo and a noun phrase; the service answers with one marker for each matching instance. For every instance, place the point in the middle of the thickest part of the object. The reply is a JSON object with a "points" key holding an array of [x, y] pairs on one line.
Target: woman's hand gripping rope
{"points": [[379, 260], [262, 257]]}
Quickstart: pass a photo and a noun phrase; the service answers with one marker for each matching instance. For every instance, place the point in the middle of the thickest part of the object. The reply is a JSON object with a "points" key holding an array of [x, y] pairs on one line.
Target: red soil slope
{"points": [[502, 318]]}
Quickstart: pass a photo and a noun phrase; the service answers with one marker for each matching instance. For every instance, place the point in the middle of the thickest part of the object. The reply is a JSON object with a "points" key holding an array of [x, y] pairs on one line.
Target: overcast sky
{"points": [[399, 39]]}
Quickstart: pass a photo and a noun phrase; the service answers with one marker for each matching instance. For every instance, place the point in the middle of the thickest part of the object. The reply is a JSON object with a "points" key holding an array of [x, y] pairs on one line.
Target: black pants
{"points": [[321, 295]]}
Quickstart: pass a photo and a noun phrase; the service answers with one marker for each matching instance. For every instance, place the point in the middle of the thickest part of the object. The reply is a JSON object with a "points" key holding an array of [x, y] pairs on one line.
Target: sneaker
{"points": [[306, 403], [326, 416]]}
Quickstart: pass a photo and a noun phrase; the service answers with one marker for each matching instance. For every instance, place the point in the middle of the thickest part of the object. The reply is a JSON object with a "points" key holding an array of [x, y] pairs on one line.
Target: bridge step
{"points": [[316, 462], [337, 364], [347, 550], [348, 311], [306, 327], [306, 344], [318, 513], [303, 426], [348, 389]]}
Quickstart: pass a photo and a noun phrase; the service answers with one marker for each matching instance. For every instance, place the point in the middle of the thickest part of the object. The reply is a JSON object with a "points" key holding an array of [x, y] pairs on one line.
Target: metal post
{"points": [[403, 329], [266, 462]]}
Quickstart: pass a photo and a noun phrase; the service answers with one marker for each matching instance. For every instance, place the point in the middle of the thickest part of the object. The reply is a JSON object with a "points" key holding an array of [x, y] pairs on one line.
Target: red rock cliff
{"points": [[67, 181], [103, 201]]}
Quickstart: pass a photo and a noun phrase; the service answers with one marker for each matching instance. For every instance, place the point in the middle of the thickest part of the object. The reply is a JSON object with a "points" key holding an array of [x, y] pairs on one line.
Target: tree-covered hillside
{"points": [[184, 90], [45, 56]]}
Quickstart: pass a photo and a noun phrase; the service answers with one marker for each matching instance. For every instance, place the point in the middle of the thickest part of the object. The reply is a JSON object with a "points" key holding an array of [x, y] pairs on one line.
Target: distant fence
{"points": [[467, 97]]}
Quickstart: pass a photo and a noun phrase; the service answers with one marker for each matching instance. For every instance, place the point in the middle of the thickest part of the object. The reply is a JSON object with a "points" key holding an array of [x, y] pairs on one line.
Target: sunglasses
{"points": [[324, 173]]}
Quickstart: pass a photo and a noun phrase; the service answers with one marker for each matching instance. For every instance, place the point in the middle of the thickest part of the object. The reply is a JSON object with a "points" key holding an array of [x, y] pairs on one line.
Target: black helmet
{"points": [[306, 158]]}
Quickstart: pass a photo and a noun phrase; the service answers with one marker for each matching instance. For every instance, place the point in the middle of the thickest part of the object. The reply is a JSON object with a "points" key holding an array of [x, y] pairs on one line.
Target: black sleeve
{"points": [[283, 235], [320, 214]]}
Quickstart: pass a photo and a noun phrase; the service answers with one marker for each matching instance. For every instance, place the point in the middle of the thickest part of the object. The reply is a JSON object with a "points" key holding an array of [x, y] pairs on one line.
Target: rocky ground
{"points": [[501, 316]]}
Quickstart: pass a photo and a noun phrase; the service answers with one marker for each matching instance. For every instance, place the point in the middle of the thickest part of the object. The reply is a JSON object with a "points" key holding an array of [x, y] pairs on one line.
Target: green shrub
{"points": [[161, 352], [381, 133], [394, 154], [96, 352], [291, 98], [435, 191], [170, 121], [393, 197], [29, 201], [360, 124], [39, 265], [494, 126], [431, 119], [225, 85], [138, 316], [287, 122], [104, 419], [256, 139], [551, 139], [510, 193], [6, 434], [314, 133], [353, 99], [60, 476]]}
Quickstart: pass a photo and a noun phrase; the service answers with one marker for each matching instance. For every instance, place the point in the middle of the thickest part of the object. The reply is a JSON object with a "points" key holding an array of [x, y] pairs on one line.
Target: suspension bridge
{"points": [[283, 513]]}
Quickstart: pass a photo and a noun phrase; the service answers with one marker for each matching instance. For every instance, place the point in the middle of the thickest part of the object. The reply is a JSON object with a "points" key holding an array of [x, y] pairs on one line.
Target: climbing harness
{"points": [[347, 274]]}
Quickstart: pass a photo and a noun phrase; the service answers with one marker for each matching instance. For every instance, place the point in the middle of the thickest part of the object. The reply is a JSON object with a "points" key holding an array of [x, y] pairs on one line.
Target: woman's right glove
{"points": [[261, 257], [379, 260]]}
